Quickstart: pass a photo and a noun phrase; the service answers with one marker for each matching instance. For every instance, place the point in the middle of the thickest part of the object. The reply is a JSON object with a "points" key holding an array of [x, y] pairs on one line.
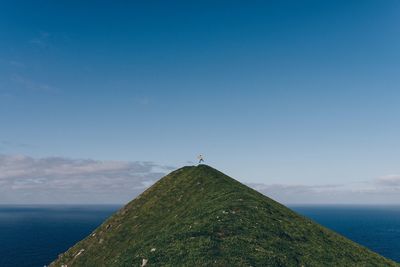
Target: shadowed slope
{"points": [[197, 216]]}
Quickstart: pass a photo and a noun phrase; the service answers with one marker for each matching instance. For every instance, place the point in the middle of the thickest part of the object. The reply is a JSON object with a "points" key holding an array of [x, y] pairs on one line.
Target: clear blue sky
{"points": [[293, 92]]}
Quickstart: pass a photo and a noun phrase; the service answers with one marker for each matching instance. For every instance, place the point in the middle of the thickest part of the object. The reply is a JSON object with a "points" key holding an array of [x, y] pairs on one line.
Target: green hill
{"points": [[197, 216]]}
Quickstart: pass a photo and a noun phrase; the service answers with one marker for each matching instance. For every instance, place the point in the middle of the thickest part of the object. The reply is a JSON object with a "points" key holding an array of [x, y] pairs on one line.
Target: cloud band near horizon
{"points": [[58, 180]]}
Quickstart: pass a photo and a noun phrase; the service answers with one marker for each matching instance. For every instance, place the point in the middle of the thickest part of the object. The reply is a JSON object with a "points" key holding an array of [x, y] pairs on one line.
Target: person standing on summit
{"points": [[200, 157]]}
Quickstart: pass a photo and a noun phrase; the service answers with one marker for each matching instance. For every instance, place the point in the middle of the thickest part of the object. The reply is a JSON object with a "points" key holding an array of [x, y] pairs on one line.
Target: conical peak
{"points": [[196, 167], [192, 172], [201, 173], [198, 216]]}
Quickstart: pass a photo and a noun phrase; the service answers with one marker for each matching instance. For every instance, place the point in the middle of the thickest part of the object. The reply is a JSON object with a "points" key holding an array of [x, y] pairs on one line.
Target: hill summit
{"points": [[197, 216]]}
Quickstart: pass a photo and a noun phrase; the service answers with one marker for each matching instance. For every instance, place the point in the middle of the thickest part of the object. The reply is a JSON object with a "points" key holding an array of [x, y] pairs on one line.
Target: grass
{"points": [[197, 216]]}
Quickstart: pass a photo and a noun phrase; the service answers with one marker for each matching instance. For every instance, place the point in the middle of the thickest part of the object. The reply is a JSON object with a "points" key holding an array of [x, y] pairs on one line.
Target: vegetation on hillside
{"points": [[197, 216]]}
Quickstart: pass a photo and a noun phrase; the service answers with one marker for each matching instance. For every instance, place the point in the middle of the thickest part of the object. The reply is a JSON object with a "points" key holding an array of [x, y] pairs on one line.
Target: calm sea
{"points": [[33, 236]]}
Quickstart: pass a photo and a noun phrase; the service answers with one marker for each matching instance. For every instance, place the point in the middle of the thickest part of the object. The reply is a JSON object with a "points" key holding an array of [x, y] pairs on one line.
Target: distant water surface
{"points": [[33, 236], [375, 227]]}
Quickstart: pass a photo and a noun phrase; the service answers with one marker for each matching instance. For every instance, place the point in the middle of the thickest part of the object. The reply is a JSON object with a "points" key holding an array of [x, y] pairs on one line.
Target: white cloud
{"points": [[383, 190], [41, 40], [25, 179], [32, 85], [389, 180]]}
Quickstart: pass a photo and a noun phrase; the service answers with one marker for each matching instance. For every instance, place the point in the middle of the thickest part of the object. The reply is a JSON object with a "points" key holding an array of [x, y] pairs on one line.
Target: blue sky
{"points": [[288, 93]]}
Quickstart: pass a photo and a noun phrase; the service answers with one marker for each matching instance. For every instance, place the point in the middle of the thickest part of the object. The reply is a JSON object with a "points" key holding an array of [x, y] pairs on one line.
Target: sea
{"points": [[33, 236]]}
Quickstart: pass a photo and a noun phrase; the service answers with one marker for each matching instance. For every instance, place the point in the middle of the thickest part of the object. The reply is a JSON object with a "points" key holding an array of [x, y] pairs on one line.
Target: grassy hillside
{"points": [[197, 216]]}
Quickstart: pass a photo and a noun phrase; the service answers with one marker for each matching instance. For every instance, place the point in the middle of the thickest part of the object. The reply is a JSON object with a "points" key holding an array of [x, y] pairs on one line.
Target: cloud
{"points": [[41, 40], [298, 193], [25, 179], [58, 180], [32, 85], [389, 180], [17, 64], [296, 188], [47, 40], [383, 190], [6, 144]]}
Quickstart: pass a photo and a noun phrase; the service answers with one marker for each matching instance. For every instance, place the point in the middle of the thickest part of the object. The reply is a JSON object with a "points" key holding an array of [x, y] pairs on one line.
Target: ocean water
{"points": [[375, 227], [33, 236]]}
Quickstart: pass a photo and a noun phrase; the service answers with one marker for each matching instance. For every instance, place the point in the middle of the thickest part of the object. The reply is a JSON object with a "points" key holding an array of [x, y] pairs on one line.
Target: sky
{"points": [[299, 99]]}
